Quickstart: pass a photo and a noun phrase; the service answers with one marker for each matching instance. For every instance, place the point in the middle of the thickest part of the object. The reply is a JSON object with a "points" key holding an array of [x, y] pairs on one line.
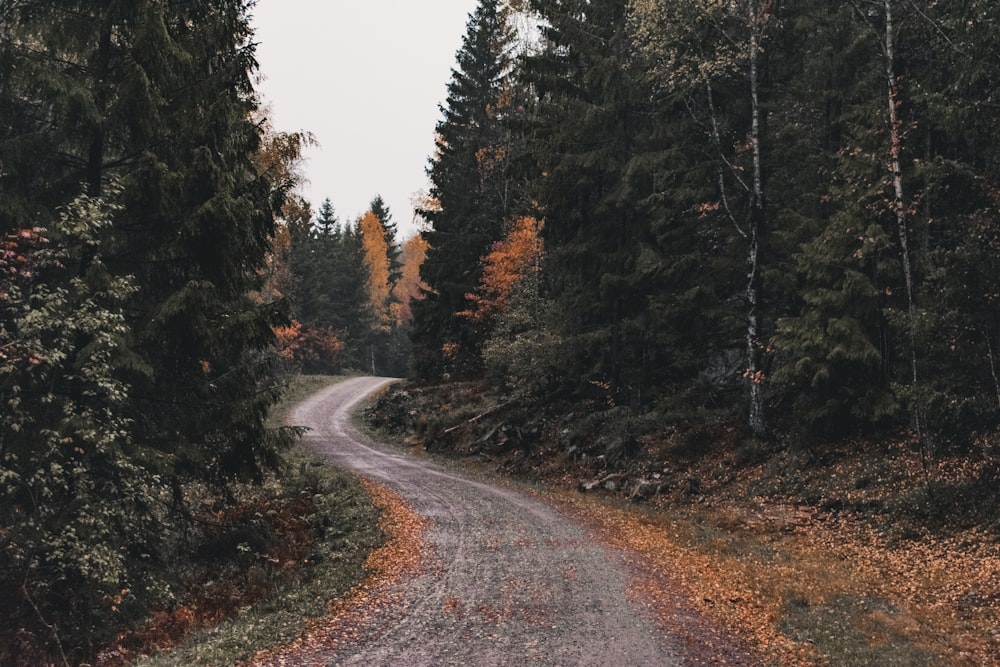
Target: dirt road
{"points": [[506, 579]]}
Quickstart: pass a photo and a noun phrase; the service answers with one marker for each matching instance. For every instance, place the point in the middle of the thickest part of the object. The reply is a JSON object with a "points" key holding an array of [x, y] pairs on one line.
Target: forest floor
{"points": [[852, 553]]}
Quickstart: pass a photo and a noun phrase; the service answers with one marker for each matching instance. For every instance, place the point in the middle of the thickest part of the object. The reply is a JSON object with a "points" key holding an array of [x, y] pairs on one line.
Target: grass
{"points": [[334, 565], [858, 630]]}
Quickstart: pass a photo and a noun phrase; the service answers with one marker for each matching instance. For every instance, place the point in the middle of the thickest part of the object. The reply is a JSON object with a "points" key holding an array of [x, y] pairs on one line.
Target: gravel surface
{"points": [[505, 578]]}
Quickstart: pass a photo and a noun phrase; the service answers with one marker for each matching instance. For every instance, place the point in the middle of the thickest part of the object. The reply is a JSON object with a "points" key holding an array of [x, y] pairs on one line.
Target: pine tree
{"points": [[330, 285], [882, 280], [588, 139], [835, 356], [314, 246], [196, 231], [471, 189], [947, 175], [157, 100], [714, 53]]}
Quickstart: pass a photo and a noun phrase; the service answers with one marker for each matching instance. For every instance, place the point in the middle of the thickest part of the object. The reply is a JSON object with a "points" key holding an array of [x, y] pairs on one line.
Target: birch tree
{"points": [[698, 46]]}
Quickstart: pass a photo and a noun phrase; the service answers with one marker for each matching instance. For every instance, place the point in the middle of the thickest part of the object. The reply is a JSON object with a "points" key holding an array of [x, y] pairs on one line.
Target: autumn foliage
{"points": [[314, 349], [409, 286], [15, 252], [510, 260], [377, 260]]}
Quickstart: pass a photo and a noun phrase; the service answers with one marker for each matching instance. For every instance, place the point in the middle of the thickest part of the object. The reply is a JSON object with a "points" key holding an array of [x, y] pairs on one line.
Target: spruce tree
{"points": [[196, 230], [470, 188], [329, 281], [715, 56], [587, 138], [834, 356], [131, 124], [882, 280], [158, 97], [949, 151], [313, 246]]}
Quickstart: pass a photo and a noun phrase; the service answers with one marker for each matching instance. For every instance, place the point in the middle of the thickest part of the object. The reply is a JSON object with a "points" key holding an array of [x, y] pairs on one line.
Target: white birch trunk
{"points": [[899, 202], [757, 421]]}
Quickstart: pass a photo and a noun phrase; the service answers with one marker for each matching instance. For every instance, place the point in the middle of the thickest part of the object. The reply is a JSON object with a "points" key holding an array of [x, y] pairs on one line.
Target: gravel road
{"points": [[506, 579]]}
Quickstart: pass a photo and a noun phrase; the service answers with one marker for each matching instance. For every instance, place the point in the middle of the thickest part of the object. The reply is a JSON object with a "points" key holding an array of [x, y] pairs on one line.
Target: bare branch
{"points": [[937, 27]]}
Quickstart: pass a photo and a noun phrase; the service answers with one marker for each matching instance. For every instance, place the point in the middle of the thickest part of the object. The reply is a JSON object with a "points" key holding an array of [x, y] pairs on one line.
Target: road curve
{"points": [[507, 579]]}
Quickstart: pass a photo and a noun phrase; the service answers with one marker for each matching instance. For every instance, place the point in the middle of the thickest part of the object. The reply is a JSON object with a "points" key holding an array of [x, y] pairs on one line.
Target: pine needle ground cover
{"points": [[849, 553]]}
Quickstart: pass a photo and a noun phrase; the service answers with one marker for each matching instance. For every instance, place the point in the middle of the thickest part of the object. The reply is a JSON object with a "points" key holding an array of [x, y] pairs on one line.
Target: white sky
{"points": [[366, 78]]}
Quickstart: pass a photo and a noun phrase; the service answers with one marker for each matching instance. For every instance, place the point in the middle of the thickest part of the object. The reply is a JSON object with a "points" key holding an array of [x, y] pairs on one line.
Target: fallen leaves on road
{"points": [[682, 579], [401, 555]]}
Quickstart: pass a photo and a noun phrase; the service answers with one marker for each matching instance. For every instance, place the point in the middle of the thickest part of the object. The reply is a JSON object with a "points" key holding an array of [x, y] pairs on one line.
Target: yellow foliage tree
{"points": [[508, 262], [410, 286], [377, 260], [280, 160]]}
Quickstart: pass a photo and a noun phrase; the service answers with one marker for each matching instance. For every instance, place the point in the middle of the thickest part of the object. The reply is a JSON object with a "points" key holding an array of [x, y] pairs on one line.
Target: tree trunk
{"points": [[899, 202], [757, 421]]}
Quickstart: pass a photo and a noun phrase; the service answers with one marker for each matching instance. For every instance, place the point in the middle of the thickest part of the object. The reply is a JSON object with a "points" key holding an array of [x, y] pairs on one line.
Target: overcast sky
{"points": [[366, 78]]}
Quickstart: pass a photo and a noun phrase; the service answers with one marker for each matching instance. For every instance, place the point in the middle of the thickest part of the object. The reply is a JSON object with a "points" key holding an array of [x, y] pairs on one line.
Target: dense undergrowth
{"points": [[244, 575], [287, 549], [330, 526], [848, 553]]}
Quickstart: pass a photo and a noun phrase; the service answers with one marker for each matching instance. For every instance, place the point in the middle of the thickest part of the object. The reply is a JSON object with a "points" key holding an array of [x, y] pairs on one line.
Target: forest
{"points": [[780, 217], [783, 210], [150, 319]]}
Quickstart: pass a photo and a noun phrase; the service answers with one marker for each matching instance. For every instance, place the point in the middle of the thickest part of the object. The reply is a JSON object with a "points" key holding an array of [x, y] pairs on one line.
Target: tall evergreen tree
{"points": [[330, 282], [835, 355], [313, 246], [196, 230], [587, 138], [158, 98], [471, 190], [943, 196], [714, 55], [168, 382], [879, 325]]}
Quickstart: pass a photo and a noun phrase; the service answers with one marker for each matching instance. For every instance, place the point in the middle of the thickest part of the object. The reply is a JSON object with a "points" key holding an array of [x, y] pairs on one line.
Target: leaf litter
{"points": [[351, 616]]}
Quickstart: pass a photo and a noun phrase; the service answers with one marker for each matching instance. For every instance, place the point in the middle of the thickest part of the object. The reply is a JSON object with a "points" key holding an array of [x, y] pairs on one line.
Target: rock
{"points": [[645, 488], [609, 482]]}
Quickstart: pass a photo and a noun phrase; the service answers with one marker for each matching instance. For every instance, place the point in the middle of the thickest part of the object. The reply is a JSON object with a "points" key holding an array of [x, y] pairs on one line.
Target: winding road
{"points": [[506, 580]]}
